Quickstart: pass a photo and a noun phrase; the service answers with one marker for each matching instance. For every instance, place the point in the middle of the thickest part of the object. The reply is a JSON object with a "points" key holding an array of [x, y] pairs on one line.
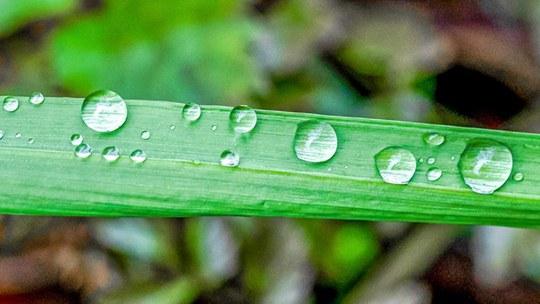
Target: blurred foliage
{"points": [[176, 50], [14, 14]]}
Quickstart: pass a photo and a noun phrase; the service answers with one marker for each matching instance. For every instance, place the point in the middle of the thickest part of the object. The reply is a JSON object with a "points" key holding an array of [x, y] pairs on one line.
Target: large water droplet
{"points": [[104, 111], [11, 104], [138, 156], [83, 151], [433, 174], [111, 154], [395, 165], [243, 119], [191, 111], [434, 139], [36, 98], [76, 139], [229, 159], [485, 165], [315, 141], [145, 135]]}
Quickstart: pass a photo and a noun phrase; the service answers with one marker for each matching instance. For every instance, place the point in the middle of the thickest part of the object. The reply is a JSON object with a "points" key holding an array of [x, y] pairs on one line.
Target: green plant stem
{"points": [[182, 176]]}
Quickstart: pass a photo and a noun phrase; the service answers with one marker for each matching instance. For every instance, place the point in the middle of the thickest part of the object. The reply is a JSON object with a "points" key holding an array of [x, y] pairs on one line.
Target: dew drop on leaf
{"points": [[434, 139], [76, 139], [485, 165], [104, 111], [36, 98], [111, 154], [229, 158], [434, 174], [315, 141], [243, 119], [83, 151], [11, 104], [191, 112], [145, 135], [138, 156], [395, 165], [518, 177]]}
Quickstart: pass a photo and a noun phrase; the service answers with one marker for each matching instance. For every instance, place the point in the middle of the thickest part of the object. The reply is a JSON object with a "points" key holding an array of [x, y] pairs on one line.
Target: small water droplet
{"points": [[315, 141], [229, 158], [421, 160], [76, 139], [453, 158], [518, 177], [11, 104], [111, 154], [83, 151], [145, 135], [395, 165], [30, 140], [243, 119], [138, 156], [191, 112], [18, 135], [2, 133], [104, 111], [433, 174], [36, 98], [434, 139], [214, 127], [485, 165], [172, 127], [431, 160]]}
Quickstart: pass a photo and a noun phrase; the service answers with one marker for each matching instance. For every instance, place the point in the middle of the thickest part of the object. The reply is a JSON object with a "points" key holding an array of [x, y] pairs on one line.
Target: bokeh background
{"points": [[470, 62]]}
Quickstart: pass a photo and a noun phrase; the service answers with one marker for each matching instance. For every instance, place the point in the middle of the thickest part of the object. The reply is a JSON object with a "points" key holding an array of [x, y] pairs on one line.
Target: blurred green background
{"points": [[472, 63]]}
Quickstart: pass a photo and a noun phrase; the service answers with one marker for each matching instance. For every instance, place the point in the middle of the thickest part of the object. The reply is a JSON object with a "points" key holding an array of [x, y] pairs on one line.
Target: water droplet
{"points": [[2, 133], [30, 140], [104, 111], [229, 159], [145, 135], [11, 104], [421, 160], [76, 139], [315, 141], [434, 139], [83, 151], [485, 165], [214, 127], [191, 111], [433, 174], [138, 156], [395, 165], [431, 160], [36, 98], [453, 158], [243, 119], [111, 154], [172, 127], [18, 135], [518, 177]]}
